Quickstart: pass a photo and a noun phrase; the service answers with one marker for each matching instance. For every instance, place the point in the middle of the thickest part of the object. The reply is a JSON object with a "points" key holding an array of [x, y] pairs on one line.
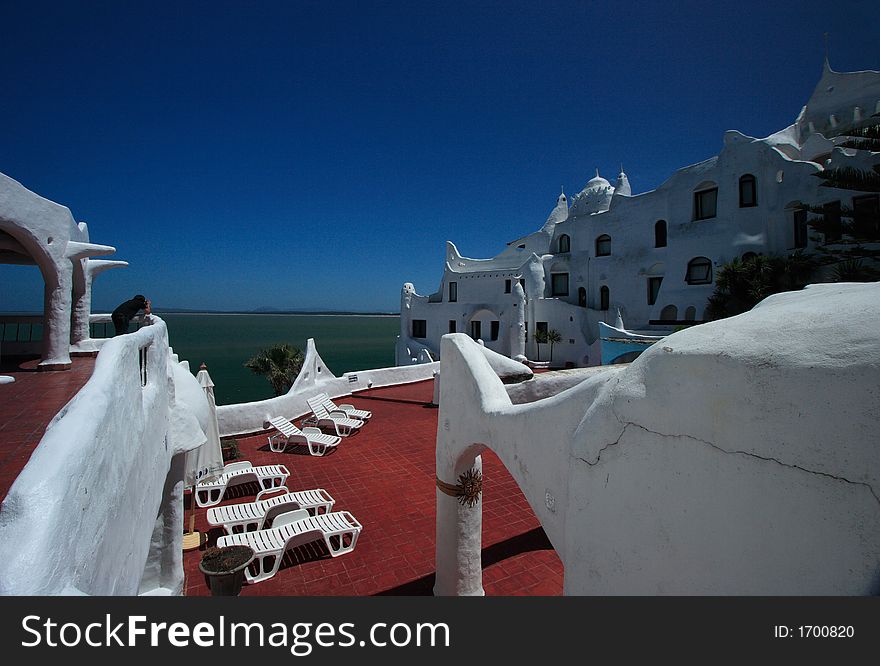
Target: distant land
{"points": [[261, 310]]}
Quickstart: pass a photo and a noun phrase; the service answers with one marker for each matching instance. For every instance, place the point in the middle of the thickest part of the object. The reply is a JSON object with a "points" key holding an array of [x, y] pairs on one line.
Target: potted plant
{"points": [[224, 569], [229, 448]]}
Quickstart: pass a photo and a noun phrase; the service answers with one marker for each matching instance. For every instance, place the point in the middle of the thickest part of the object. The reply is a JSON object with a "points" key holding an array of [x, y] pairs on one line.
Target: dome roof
{"points": [[596, 184]]}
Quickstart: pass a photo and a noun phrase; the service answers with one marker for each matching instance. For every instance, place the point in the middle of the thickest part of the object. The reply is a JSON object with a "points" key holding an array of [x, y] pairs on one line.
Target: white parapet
{"points": [[315, 377], [81, 518], [735, 457]]}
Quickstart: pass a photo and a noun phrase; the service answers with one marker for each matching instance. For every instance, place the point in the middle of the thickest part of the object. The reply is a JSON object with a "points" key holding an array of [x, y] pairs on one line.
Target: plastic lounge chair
{"points": [[237, 473], [349, 410], [288, 433], [251, 516], [339, 531], [340, 423]]}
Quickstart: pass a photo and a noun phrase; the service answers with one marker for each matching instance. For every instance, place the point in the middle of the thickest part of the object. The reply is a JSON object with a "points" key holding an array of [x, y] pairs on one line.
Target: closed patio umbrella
{"points": [[205, 462]]}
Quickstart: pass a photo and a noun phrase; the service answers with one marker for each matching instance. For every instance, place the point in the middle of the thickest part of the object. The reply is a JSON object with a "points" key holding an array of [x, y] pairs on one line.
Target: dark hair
{"points": [[140, 297]]}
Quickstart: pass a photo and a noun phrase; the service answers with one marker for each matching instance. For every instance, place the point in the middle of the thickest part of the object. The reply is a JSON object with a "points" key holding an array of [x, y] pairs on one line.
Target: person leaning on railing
{"points": [[124, 313]]}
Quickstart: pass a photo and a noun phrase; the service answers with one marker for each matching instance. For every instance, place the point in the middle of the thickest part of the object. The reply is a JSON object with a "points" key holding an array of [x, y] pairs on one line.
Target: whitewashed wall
{"points": [[315, 377], [737, 457], [81, 516]]}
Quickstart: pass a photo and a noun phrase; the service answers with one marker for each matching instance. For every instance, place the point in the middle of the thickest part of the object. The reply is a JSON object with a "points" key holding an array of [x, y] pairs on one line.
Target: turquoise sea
{"points": [[225, 341]]}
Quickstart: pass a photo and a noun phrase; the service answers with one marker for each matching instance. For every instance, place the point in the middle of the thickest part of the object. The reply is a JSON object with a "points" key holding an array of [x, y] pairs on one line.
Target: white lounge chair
{"points": [[349, 410], [252, 516], [288, 433], [341, 424], [235, 474], [339, 531]]}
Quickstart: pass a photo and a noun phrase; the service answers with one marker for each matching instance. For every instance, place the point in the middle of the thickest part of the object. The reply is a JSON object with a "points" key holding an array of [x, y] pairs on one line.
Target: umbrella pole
{"points": [[192, 539]]}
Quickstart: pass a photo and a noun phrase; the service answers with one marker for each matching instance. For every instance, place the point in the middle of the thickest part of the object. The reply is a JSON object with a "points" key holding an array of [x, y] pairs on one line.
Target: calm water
{"points": [[225, 342]]}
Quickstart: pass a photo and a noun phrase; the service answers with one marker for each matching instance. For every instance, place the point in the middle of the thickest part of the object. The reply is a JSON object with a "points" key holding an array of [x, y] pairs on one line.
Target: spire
{"points": [[622, 186]]}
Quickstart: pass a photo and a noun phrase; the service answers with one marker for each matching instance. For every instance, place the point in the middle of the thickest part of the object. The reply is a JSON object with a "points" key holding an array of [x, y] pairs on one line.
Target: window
{"points": [[800, 228], [582, 297], [542, 327], [705, 204], [604, 298], [564, 243], [476, 329], [419, 328], [669, 313], [660, 233], [747, 192], [559, 284], [833, 229], [653, 289], [866, 216], [690, 314], [699, 271], [522, 283], [603, 245], [453, 292], [493, 330], [507, 286], [452, 326], [748, 256]]}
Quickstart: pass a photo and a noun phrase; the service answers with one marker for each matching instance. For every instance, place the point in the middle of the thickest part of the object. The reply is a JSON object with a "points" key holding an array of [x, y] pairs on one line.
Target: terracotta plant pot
{"points": [[224, 569]]}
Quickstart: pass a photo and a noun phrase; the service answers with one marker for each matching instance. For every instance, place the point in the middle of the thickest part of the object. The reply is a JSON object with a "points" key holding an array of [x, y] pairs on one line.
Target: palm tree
{"points": [[553, 337], [540, 339], [280, 364], [742, 283]]}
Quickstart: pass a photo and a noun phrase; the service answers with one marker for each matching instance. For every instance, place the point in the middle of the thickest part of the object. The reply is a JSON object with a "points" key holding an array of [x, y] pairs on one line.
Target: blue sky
{"points": [[309, 155]]}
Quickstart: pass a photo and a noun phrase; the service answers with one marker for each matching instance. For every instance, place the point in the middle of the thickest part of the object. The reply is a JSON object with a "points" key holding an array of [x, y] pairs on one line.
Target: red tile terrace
{"points": [[384, 475]]}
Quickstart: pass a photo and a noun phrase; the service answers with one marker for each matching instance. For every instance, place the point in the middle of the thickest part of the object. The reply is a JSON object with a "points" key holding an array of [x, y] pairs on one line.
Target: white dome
{"points": [[597, 183]]}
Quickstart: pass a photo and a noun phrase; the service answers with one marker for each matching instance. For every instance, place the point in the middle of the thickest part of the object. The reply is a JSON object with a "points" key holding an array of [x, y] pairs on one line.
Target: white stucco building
{"points": [[651, 255], [36, 231]]}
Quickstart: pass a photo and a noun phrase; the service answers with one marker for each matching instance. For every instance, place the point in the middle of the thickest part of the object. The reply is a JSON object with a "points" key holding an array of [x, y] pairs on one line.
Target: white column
{"points": [[82, 301], [56, 318], [459, 537]]}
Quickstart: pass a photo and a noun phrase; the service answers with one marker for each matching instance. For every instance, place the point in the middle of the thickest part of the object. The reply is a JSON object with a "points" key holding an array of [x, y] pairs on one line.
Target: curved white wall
{"points": [[315, 377], [81, 518], [736, 457]]}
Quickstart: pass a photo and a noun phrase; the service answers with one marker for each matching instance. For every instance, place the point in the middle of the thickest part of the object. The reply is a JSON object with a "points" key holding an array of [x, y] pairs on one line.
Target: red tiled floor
{"points": [[384, 475], [26, 407]]}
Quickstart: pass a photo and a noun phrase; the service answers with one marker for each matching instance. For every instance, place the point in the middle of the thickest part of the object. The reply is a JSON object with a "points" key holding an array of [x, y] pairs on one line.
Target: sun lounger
{"points": [[349, 410], [338, 530], [237, 473], [321, 417], [288, 433], [251, 516]]}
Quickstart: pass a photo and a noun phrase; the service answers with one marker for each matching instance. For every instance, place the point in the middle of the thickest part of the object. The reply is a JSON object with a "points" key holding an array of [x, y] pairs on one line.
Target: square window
{"points": [[705, 204], [419, 328], [559, 284]]}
